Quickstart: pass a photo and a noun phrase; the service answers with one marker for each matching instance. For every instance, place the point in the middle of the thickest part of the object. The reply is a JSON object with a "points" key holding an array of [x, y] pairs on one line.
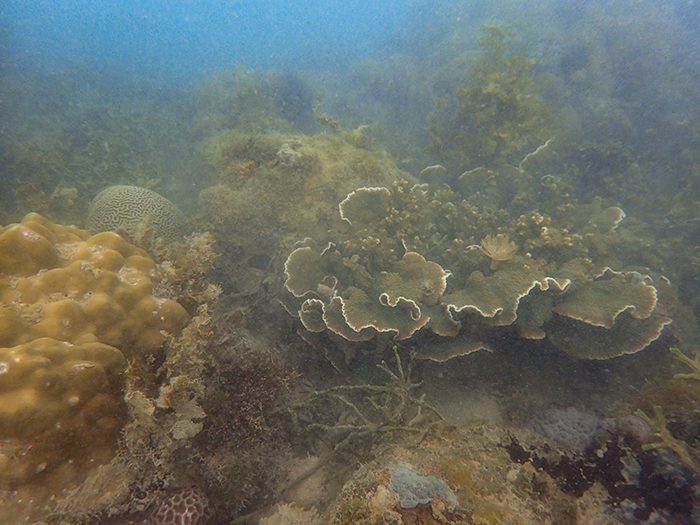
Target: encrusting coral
{"points": [[409, 261]]}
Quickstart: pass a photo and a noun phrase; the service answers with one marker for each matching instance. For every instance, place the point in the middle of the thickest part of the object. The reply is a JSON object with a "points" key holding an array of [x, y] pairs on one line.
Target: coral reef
{"points": [[471, 480], [666, 439], [404, 263], [142, 214], [181, 507], [266, 189], [692, 364], [148, 429], [366, 412], [61, 408]]}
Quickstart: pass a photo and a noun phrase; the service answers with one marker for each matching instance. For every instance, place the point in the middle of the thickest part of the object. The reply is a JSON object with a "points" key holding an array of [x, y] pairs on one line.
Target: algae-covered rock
{"points": [[267, 189]]}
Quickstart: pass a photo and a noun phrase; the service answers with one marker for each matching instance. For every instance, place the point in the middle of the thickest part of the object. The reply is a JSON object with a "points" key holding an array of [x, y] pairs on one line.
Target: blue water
{"points": [[191, 38], [242, 112]]}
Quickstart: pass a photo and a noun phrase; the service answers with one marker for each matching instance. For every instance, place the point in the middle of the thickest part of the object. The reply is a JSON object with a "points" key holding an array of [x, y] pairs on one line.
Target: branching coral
{"points": [[693, 364], [366, 411]]}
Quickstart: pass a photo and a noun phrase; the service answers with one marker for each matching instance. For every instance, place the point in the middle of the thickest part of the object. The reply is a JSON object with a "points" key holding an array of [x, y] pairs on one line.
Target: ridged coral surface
{"points": [[134, 210]]}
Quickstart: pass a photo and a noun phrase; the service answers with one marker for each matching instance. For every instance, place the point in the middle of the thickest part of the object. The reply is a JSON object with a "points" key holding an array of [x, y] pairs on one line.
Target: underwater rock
{"points": [[141, 213], [255, 212], [471, 479]]}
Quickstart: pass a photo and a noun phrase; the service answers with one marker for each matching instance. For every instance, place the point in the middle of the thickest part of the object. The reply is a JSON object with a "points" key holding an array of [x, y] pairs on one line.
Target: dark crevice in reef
{"points": [[657, 486]]}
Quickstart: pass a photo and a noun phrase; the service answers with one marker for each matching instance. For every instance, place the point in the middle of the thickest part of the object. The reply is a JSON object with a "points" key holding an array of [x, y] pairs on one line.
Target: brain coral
{"points": [[138, 212], [182, 507], [73, 309]]}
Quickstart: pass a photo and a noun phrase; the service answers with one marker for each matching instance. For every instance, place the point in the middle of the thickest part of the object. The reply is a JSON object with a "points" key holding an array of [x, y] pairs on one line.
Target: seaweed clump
{"points": [[498, 114]]}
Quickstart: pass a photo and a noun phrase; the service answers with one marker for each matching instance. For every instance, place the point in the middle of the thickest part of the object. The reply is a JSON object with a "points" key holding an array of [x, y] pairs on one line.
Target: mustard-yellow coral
{"points": [[73, 309], [60, 282], [59, 403]]}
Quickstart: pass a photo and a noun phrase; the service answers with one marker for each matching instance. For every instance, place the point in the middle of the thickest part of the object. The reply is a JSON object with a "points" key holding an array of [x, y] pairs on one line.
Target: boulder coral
{"points": [[60, 405], [61, 282], [75, 309], [409, 260]]}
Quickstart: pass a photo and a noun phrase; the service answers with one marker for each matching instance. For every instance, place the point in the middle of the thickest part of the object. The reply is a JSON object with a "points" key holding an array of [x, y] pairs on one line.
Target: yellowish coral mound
{"points": [[74, 308], [59, 404], [59, 282]]}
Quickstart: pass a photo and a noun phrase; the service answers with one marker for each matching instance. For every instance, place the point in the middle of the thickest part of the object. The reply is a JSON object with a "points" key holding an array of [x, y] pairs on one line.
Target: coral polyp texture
{"points": [[419, 258], [74, 308], [137, 211]]}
